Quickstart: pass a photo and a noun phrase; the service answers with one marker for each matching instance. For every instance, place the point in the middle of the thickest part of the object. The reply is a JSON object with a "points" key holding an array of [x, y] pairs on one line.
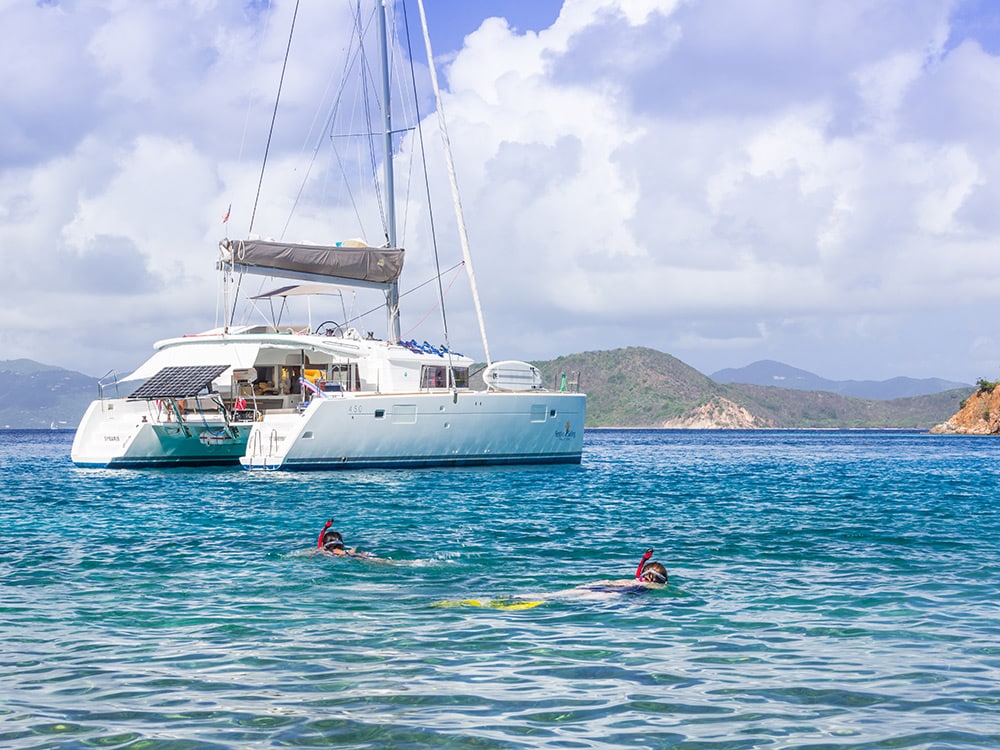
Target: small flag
{"points": [[225, 219]]}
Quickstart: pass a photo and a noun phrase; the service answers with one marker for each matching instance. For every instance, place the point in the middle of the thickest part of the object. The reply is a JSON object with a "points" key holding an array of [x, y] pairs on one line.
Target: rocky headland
{"points": [[718, 414], [979, 414]]}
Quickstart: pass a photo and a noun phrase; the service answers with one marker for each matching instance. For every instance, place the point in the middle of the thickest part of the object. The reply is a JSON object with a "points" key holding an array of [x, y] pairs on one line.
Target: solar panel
{"points": [[179, 382]]}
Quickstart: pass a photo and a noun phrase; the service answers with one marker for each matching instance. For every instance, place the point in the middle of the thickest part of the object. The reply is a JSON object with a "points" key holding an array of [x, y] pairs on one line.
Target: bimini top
{"points": [[354, 265], [300, 290]]}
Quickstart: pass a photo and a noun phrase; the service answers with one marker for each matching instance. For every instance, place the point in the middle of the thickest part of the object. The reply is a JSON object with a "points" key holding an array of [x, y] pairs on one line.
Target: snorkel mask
{"points": [[656, 575], [642, 571]]}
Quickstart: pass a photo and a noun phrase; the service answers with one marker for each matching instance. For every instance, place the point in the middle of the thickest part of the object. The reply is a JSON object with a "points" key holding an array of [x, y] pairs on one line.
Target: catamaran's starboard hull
{"points": [[118, 434], [421, 430]]}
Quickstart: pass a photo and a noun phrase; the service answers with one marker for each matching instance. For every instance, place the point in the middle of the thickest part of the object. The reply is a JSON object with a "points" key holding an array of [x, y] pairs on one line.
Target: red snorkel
{"points": [[646, 555], [319, 542]]}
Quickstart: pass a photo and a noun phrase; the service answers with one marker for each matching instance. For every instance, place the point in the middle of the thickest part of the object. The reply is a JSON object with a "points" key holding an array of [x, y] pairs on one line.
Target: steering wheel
{"points": [[333, 328]]}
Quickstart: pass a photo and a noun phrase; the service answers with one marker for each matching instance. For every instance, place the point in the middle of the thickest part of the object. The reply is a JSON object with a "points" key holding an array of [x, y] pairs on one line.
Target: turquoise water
{"points": [[827, 590]]}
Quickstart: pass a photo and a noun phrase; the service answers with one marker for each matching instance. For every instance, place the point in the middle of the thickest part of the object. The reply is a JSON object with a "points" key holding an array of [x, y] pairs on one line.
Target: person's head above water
{"points": [[330, 540], [650, 572], [654, 572]]}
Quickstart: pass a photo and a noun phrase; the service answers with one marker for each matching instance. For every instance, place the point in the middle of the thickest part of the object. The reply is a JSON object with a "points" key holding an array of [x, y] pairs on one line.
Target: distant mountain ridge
{"points": [[767, 372], [634, 387], [37, 396]]}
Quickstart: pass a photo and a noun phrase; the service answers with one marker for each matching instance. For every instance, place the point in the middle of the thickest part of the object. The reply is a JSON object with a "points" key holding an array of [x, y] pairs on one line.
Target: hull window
{"points": [[436, 376]]}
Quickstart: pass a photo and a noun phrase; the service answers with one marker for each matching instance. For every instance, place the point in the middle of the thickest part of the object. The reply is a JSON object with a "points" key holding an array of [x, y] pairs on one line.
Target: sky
{"points": [[816, 183]]}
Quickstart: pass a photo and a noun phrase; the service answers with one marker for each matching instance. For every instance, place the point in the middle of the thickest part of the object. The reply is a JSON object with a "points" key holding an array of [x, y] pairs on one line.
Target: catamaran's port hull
{"points": [[149, 463], [119, 434]]}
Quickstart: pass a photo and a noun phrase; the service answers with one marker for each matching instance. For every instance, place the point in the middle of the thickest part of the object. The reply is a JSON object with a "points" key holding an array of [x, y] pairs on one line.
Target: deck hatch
{"points": [[179, 382]]}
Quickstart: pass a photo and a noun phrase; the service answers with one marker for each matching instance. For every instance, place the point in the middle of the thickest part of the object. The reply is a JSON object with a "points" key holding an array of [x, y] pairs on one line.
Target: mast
{"points": [[392, 293]]}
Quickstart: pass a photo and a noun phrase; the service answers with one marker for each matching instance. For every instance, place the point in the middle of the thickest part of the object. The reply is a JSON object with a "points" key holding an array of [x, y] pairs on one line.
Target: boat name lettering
{"points": [[112, 439]]}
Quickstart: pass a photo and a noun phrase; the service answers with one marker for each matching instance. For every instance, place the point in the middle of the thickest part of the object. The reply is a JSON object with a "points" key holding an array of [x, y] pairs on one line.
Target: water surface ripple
{"points": [[827, 590]]}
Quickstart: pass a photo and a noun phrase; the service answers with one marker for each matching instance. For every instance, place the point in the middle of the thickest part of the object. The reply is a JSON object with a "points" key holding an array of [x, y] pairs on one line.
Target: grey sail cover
{"points": [[369, 266]]}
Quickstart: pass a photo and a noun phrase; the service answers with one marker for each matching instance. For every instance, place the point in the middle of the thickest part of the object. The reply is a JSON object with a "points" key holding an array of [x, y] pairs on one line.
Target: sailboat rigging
{"points": [[286, 397]]}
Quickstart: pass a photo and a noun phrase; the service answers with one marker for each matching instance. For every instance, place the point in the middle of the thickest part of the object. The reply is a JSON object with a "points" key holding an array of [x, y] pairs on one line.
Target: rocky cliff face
{"points": [[979, 416], [718, 414]]}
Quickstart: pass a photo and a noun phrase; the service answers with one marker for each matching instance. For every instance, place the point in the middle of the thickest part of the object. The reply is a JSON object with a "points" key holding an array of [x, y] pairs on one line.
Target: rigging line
{"points": [[419, 322], [401, 237], [248, 306], [366, 76], [463, 236], [409, 291], [427, 189], [352, 58], [221, 304], [312, 163], [274, 116], [236, 296], [408, 116], [326, 127], [347, 187], [250, 99], [401, 241]]}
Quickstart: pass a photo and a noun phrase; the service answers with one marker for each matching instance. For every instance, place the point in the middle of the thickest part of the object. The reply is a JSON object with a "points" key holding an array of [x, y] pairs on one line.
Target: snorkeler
{"points": [[648, 576], [332, 543], [650, 572]]}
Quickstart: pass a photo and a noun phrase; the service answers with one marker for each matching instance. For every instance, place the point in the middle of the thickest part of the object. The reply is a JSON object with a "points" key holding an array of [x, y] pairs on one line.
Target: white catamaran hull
{"points": [[466, 428], [118, 433]]}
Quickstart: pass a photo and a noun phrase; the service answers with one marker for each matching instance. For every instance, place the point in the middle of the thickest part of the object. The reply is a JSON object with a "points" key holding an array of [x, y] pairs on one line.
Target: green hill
{"points": [[640, 387], [802, 409], [634, 387]]}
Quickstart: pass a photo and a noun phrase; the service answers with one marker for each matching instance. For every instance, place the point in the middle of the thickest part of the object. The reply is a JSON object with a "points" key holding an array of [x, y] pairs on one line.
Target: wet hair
{"points": [[333, 540], [654, 572]]}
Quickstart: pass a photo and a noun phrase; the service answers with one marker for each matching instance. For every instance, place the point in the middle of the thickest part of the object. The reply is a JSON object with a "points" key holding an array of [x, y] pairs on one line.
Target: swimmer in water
{"points": [[648, 576], [332, 543], [650, 572]]}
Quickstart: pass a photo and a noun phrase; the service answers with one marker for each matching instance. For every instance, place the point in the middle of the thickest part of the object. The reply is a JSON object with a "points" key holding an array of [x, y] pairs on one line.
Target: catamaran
{"points": [[275, 396]]}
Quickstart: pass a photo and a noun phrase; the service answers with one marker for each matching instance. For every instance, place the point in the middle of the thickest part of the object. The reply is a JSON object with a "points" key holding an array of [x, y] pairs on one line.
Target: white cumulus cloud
{"points": [[725, 181]]}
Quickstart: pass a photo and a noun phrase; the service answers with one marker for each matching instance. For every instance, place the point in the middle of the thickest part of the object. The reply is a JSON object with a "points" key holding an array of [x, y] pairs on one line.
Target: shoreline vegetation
{"points": [[630, 388], [641, 388]]}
